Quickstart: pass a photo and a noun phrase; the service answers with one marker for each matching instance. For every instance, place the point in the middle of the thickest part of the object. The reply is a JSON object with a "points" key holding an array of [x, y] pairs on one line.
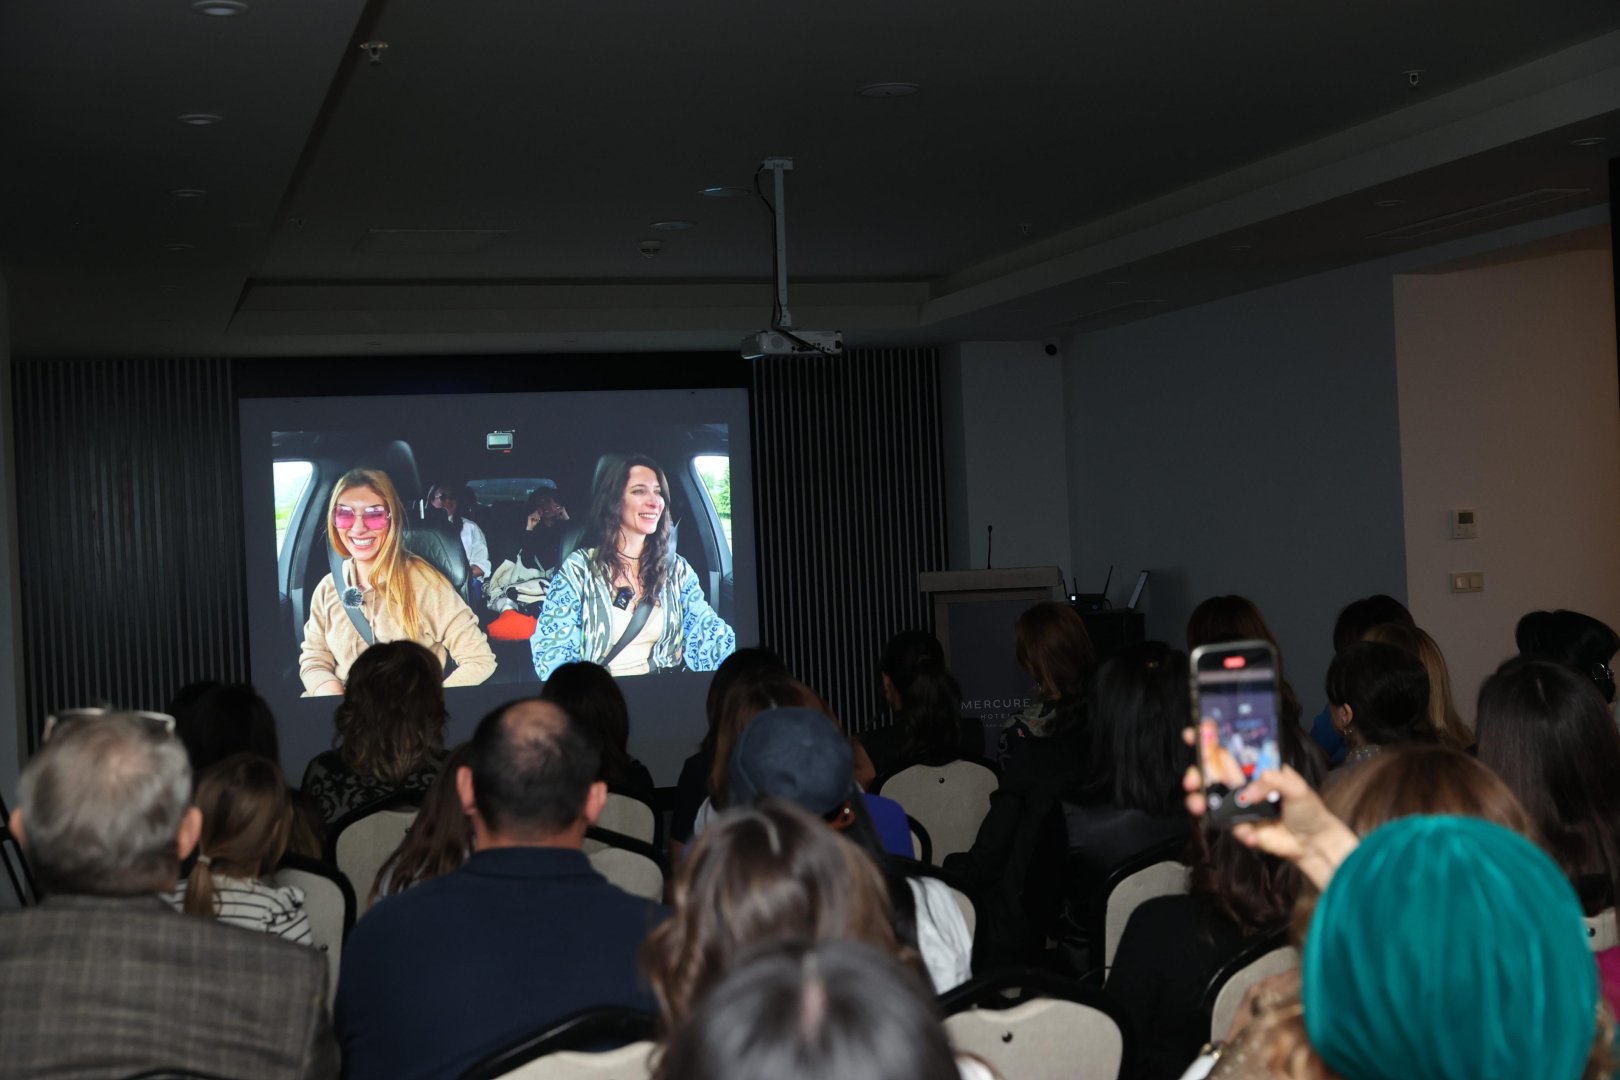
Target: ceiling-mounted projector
{"points": [[796, 343], [783, 339]]}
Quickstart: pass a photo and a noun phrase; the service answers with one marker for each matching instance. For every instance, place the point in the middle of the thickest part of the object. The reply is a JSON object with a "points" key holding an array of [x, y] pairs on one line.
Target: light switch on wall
{"points": [[1469, 581]]}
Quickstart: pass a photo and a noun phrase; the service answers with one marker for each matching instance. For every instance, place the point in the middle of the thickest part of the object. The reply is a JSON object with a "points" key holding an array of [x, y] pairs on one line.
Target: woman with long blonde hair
{"points": [[1443, 715], [397, 595], [246, 820]]}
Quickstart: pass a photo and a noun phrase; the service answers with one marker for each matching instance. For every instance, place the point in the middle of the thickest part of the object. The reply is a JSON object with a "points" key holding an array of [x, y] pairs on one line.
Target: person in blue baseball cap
{"points": [[799, 754]]}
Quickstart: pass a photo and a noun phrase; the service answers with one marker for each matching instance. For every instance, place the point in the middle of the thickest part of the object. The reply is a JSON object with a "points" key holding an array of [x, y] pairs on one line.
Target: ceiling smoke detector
{"points": [[188, 193], [223, 9], [199, 119], [673, 226]]}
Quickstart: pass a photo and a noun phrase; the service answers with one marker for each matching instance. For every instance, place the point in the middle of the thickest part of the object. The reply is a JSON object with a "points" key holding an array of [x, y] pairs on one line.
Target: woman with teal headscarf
{"points": [[1442, 948]]}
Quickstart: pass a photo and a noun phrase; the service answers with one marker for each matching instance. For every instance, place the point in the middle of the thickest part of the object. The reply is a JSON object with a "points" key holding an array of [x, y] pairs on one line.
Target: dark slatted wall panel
{"points": [[851, 508], [130, 530]]}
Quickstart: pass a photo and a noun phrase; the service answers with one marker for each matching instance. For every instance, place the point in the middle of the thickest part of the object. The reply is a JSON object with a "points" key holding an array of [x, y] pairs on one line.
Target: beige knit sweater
{"points": [[449, 629]]}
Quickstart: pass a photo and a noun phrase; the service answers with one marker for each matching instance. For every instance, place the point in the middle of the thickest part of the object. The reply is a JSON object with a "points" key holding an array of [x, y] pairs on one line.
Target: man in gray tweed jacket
{"points": [[103, 979]]}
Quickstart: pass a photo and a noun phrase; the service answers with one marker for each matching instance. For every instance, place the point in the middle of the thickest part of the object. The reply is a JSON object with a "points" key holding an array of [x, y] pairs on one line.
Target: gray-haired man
{"points": [[103, 978]]}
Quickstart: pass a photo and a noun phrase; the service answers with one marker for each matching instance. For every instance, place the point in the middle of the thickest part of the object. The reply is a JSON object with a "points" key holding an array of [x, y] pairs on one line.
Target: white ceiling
{"points": [[1189, 150]]}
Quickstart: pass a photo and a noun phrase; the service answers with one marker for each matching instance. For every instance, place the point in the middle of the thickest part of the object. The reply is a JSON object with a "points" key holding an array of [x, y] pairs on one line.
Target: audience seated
{"points": [[1481, 970], [1579, 642], [1012, 869], [103, 979], [834, 1011], [1444, 719], [586, 692], [1174, 945], [761, 875], [390, 730], [439, 840], [1545, 729], [521, 935], [247, 816], [1358, 617], [692, 788], [798, 754], [750, 694], [215, 720], [1378, 696], [1221, 619], [927, 705]]}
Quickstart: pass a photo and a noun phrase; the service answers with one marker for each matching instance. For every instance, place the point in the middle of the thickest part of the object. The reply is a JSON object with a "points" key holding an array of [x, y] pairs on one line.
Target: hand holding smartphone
{"points": [[1234, 697]]}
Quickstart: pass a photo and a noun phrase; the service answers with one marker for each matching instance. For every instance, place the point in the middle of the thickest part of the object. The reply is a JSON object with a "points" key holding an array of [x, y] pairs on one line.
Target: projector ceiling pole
{"points": [[778, 166]]}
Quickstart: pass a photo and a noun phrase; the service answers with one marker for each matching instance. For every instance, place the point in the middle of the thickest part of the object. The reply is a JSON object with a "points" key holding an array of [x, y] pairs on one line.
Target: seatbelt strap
{"points": [[638, 620], [350, 596]]}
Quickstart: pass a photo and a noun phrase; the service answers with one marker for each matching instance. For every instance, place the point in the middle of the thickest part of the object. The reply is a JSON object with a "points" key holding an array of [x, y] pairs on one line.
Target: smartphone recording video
{"points": [[1235, 709]]}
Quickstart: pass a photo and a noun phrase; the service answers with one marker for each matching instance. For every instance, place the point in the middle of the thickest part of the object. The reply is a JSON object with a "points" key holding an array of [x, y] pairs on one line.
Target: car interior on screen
{"points": [[528, 497]]}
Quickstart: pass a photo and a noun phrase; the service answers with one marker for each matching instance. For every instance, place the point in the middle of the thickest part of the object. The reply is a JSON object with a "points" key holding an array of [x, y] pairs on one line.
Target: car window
{"points": [[715, 472], [292, 480], [506, 489]]}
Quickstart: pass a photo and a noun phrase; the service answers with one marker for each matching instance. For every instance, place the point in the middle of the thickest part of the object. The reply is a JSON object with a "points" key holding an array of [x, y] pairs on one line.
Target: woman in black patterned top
{"points": [[390, 731]]}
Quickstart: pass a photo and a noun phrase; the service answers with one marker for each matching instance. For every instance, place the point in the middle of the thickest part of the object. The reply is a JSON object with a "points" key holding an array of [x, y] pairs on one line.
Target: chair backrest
{"points": [[922, 846], [1269, 956], [364, 840], [629, 816], [1165, 878], [632, 1062], [1601, 931], [442, 549], [950, 801], [1042, 1039], [1072, 1030], [541, 1054], [328, 901], [633, 865], [635, 873]]}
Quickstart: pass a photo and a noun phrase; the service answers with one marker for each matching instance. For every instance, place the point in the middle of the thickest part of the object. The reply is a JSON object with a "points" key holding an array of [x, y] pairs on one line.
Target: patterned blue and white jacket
{"points": [[575, 623]]}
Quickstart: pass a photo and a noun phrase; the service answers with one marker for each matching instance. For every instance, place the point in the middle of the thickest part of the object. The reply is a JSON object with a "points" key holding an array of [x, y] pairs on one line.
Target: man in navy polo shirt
{"points": [[522, 935]]}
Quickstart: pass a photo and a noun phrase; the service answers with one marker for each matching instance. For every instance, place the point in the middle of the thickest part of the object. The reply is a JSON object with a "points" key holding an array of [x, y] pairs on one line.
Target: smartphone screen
{"points": [[1235, 705]]}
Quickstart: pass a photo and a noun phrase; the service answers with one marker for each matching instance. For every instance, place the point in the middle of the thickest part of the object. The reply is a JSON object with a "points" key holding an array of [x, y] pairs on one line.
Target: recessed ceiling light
{"points": [[673, 226], [188, 193], [1385, 204], [889, 89], [725, 192], [199, 119], [1590, 140], [222, 8], [177, 246]]}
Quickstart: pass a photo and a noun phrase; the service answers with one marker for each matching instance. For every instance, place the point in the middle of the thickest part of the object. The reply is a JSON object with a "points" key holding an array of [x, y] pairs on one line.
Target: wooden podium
{"points": [[975, 612]]}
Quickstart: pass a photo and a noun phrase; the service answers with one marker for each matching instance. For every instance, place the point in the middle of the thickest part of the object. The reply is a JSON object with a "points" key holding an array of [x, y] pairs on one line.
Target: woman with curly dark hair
{"points": [[626, 600], [390, 730]]}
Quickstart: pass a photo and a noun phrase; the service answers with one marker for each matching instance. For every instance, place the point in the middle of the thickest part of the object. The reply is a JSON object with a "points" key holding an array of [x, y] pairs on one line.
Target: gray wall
{"points": [[1252, 445], [11, 730], [1005, 456], [1248, 446]]}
